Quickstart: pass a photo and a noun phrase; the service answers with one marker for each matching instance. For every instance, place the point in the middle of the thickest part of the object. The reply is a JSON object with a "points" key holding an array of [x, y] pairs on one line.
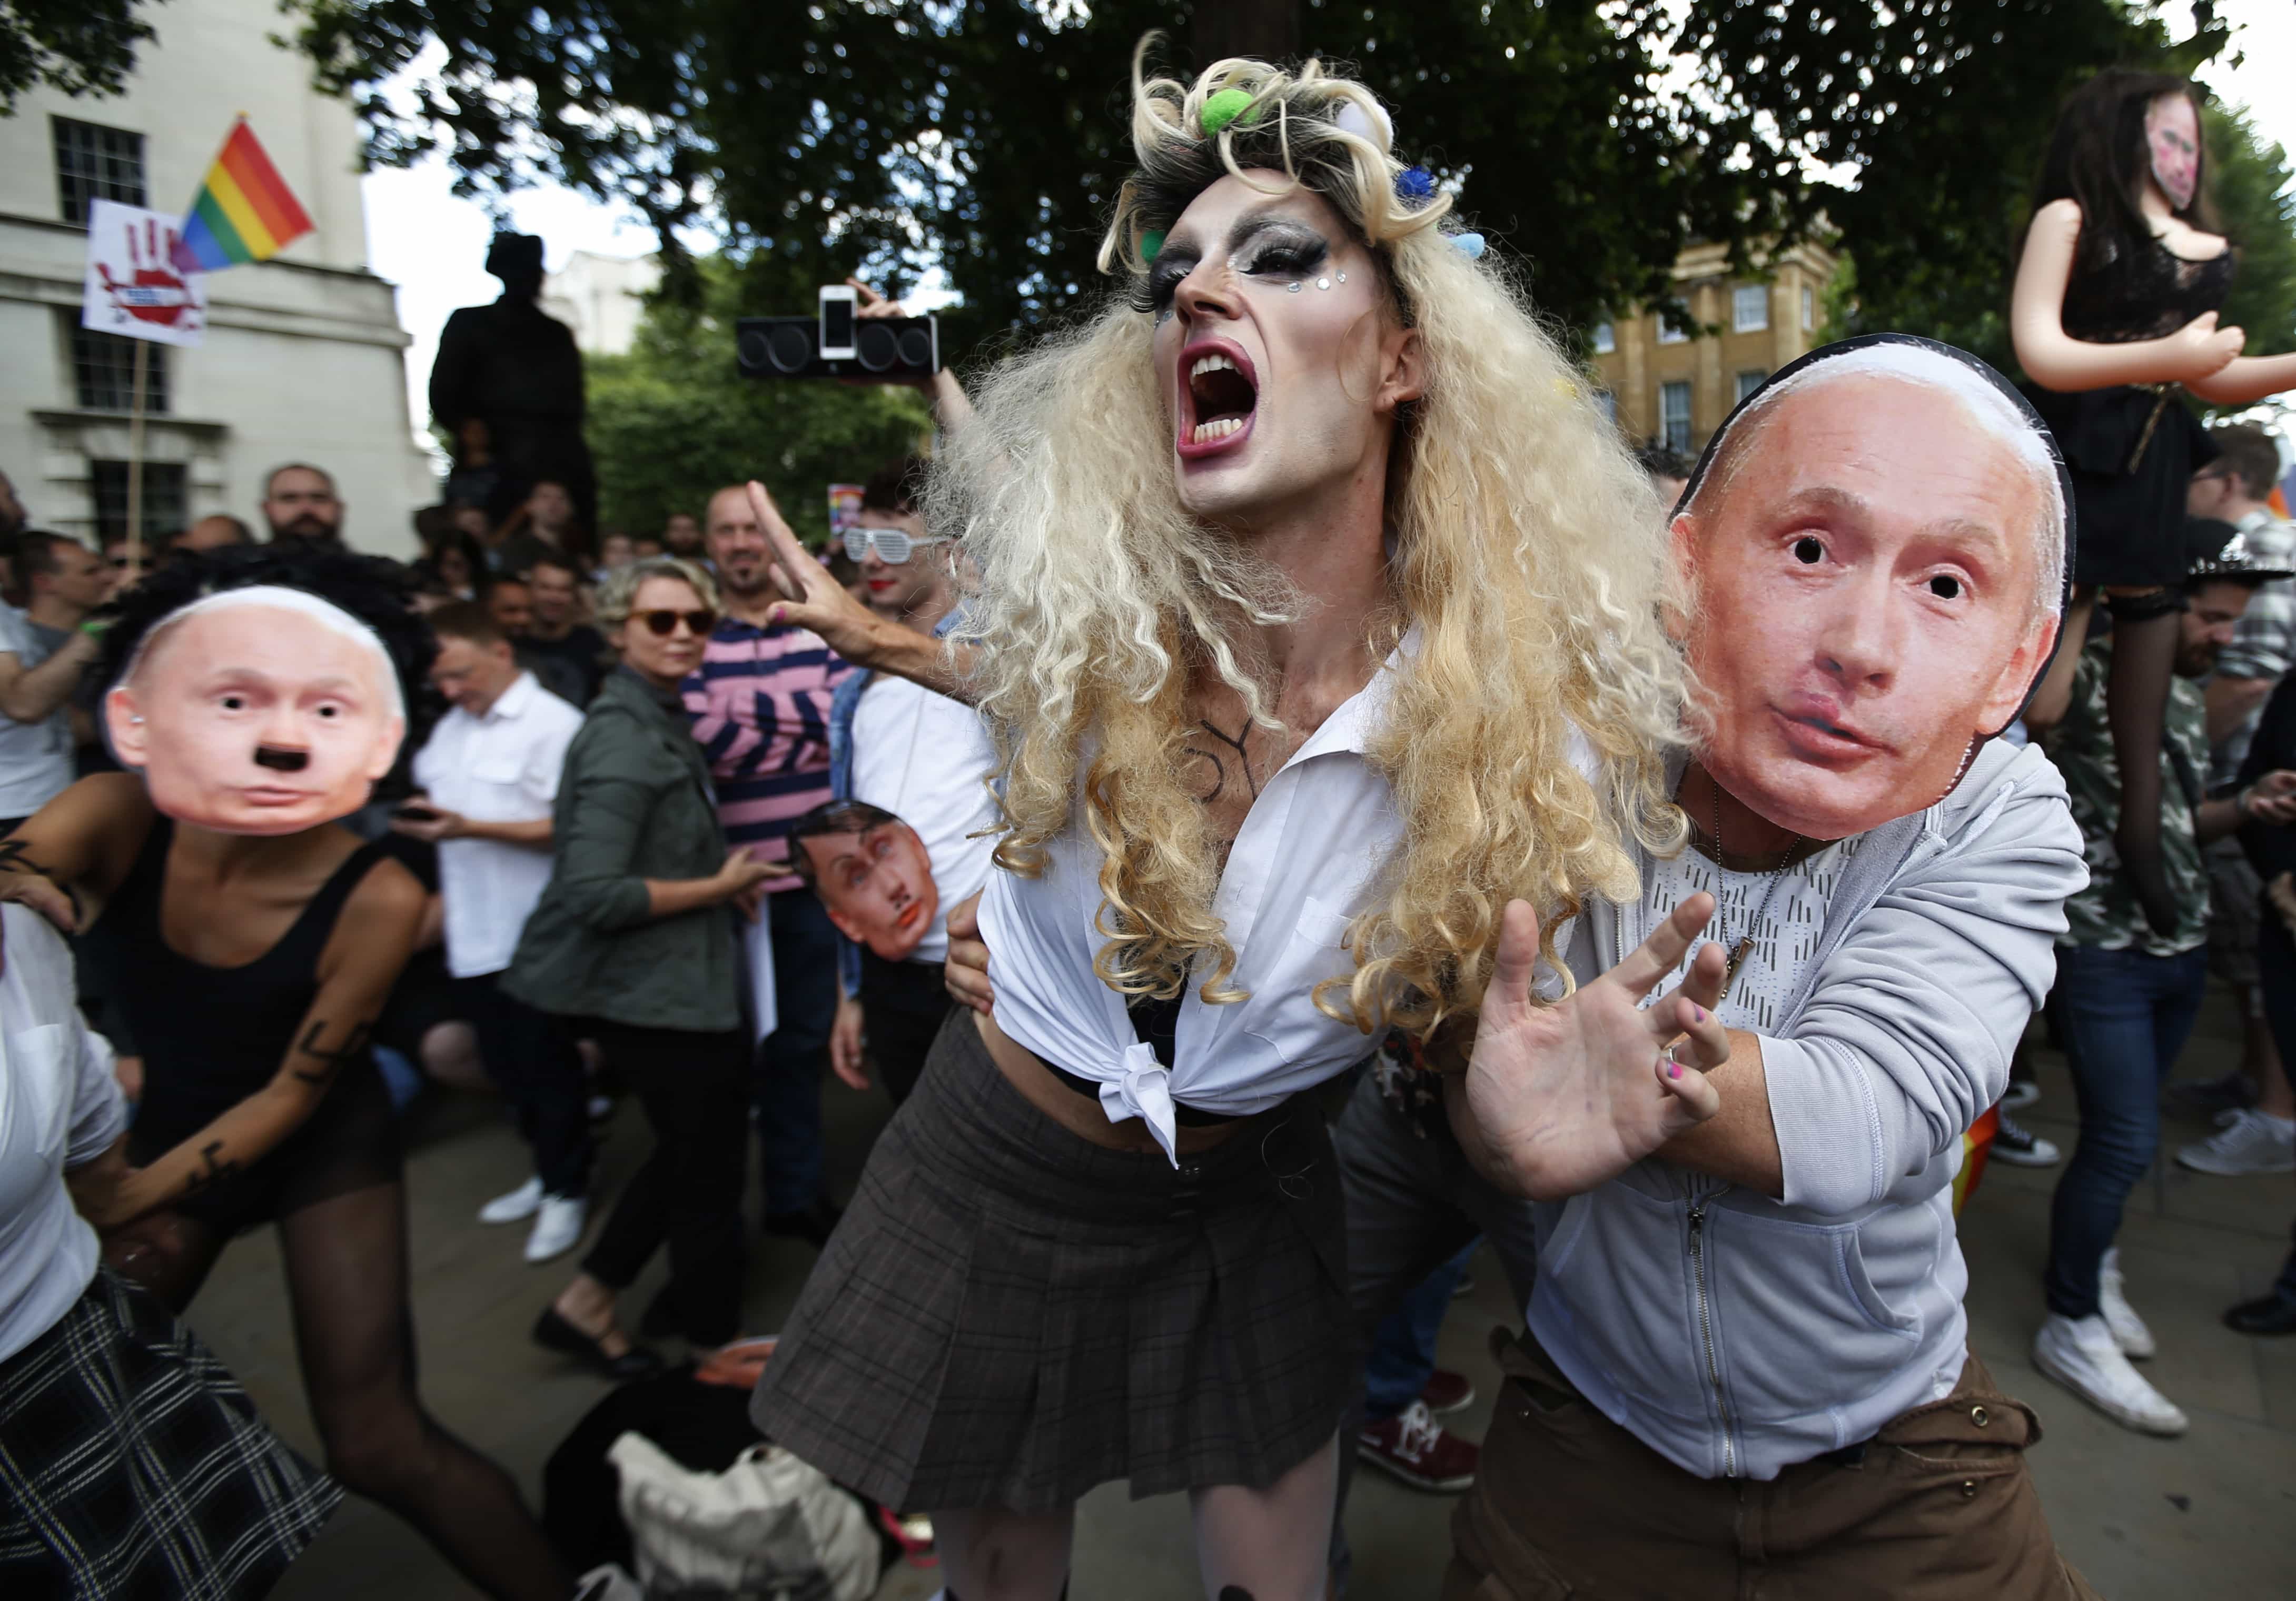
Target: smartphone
{"points": [[836, 323], [413, 813]]}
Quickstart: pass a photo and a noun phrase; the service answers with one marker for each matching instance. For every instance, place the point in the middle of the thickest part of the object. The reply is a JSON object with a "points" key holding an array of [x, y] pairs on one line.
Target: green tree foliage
{"points": [[79, 46], [988, 138], [670, 422], [985, 139]]}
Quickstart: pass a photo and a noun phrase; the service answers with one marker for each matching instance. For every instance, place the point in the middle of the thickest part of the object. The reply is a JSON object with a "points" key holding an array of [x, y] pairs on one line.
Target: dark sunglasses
{"points": [[662, 623]]}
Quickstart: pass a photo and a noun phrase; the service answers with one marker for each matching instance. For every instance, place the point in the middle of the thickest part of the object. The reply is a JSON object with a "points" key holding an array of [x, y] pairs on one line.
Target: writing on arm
{"points": [[324, 1063]]}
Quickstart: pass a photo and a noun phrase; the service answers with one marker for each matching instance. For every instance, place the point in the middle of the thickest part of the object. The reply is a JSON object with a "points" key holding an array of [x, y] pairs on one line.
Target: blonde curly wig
{"points": [[1528, 553]]}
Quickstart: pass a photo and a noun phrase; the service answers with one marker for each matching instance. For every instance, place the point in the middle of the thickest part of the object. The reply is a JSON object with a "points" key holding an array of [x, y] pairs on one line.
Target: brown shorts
{"points": [[1938, 1507]]}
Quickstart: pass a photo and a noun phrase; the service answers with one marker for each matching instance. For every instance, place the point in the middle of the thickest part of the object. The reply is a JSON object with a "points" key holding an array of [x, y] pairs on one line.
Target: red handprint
{"points": [[154, 290]]}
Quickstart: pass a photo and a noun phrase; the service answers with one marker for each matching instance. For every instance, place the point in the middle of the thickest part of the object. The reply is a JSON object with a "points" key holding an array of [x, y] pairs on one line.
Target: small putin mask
{"points": [[261, 710], [877, 886]]}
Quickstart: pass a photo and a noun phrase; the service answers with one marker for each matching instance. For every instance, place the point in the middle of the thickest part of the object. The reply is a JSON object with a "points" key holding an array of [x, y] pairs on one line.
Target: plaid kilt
{"points": [[1009, 1315], [134, 1468]]}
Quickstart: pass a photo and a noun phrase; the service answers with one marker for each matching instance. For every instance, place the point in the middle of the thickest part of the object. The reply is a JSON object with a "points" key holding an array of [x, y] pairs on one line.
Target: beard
{"points": [[304, 525]]}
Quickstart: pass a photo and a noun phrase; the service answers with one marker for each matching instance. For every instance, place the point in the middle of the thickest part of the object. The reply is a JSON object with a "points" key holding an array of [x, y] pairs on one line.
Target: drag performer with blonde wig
{"points": [[1318, 619]]}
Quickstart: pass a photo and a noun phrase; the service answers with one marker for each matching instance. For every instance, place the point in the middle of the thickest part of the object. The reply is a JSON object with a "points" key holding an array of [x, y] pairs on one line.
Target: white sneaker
{"points": [[2079, 1354], [557, 1227], [516, 1207], [2251, 1142], [2128, 1330]]}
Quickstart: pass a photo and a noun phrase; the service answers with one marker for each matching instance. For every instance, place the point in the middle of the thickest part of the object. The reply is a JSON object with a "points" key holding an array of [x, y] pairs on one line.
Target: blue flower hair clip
{"points": [[1415, 185]]}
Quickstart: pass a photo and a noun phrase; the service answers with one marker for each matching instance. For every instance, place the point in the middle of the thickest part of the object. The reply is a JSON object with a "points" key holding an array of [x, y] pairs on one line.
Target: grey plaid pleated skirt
{"points": [[132, 1465], [1009, 1315]]}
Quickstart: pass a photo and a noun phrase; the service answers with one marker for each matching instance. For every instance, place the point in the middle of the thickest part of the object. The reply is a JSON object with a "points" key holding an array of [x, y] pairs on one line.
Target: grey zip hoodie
{"points": [[1735, 1334]]}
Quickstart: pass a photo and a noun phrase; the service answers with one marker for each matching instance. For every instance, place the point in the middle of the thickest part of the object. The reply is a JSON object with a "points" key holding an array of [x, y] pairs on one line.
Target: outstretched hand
{"points": [[1569, 1096], [811, 598]]}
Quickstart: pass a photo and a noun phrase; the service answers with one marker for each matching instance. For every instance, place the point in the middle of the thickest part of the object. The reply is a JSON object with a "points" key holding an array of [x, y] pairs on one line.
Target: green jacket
{"points": [[633, 803]]}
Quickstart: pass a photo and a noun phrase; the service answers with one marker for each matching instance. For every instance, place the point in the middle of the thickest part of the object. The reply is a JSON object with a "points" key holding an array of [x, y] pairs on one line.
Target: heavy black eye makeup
{"points": [[1277, 249]]}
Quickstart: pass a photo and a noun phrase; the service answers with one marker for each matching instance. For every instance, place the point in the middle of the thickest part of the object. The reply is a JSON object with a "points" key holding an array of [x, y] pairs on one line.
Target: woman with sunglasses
{"points": [[632, 943]]}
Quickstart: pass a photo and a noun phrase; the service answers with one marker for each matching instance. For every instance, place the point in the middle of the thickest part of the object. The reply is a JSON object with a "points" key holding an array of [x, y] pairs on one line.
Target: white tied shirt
{"points": [[1303, 865], [60, 1108], [924, 758], [502, 767]]}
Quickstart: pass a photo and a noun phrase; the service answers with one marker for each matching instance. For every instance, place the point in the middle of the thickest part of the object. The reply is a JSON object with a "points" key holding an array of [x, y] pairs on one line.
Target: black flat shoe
{"points": [[2270, 1316], [554, 1333]]}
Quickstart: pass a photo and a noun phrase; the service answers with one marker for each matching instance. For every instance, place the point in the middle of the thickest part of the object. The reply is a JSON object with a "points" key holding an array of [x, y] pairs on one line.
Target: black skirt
{"points": [[1009, 1316], [2131, 454], [132, 1465]]}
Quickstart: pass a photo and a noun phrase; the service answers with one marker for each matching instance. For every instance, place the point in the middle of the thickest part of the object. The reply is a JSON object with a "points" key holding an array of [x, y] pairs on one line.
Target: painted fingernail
{"points": [[1674, 1070], [1698, 1012]]}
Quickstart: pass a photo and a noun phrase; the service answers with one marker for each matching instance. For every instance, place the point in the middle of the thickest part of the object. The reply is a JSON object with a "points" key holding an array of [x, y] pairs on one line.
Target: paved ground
{"points": [[2146, 1520]]}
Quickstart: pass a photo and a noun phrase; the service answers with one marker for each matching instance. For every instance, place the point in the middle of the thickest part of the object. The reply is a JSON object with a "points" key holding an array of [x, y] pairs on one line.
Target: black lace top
{"points": [[2145, 294]]}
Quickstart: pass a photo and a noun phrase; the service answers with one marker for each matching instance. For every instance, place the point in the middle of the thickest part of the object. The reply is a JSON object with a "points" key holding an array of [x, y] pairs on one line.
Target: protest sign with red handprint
{"points": [[133, 286]]}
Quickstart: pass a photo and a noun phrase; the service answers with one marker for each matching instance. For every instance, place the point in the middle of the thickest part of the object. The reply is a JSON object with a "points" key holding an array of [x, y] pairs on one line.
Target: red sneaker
{"points": [[1419, 1450], [1447, 1392]]}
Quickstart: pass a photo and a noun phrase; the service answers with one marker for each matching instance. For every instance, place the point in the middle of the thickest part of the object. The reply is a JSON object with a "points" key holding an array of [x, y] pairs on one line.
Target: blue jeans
{"points": [[1403, 1350], [787, 1084], [2126, 1017]]}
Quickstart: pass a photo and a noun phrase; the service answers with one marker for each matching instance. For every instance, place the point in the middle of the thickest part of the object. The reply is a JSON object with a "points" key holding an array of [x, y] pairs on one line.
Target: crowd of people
{"points": [[1654, 875]]}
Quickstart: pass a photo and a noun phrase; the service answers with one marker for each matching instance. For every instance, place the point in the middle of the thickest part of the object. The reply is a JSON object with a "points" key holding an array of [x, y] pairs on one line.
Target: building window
{"points": [[96, 164], [163, 498], [1674, 415], [1748, 382], [1809, 308], [103, 372], [1750, 308], [1670, 332], [1607, 339]]}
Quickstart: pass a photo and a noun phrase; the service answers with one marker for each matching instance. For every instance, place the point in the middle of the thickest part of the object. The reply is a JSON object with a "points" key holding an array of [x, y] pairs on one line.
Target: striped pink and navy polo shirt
{"points": [[760, 709]]}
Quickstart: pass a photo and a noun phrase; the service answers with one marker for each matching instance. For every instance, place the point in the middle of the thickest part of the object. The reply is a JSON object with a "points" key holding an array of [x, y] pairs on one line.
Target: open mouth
{"points": [[1221, 393]]}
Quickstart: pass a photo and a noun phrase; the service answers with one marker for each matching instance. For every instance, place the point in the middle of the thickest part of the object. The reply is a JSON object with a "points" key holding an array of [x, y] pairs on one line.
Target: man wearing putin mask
{"points": [[875, 877], [1746, 1352]]}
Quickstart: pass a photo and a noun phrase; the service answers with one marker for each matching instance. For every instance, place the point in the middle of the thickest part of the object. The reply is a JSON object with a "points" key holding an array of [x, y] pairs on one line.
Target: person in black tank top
{"points": [[252, 961], [211, 1036], [2114, 310]]}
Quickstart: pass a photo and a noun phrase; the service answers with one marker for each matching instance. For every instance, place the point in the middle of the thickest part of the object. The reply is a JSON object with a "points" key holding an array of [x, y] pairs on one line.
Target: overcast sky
{"points": [[433, 246]]}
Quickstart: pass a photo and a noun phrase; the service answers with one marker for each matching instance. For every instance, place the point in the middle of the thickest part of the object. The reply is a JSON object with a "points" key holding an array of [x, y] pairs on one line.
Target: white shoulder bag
{"points": [[769, 1528]]}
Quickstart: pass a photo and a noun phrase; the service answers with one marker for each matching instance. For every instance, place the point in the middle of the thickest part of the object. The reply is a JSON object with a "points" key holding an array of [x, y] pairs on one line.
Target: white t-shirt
{"points": [[1785, 934], [36, 758], [502, 767], [60, 1108], [923, 757]]}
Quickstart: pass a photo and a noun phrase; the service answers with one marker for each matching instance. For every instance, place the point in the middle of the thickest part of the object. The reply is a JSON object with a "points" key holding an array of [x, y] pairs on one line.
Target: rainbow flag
{"points": [[244, 212]]}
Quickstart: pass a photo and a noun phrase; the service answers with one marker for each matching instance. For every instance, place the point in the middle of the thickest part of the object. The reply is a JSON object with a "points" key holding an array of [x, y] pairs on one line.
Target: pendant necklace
{"points": [[1745, 946]]}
